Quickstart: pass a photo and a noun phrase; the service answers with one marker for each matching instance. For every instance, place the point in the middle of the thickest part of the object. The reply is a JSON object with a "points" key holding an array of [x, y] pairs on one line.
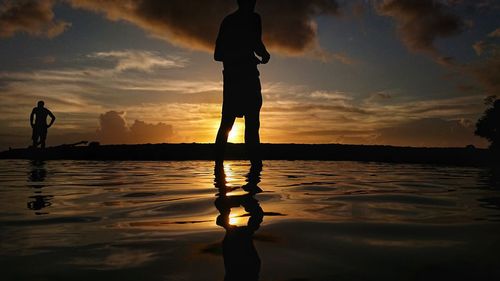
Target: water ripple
{"points": [[151, 211]]}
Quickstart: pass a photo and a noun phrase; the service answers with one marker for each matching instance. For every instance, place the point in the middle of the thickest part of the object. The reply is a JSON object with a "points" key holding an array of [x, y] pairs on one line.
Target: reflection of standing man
{"points": [[238, 43], [241, 259], [38, 121]]}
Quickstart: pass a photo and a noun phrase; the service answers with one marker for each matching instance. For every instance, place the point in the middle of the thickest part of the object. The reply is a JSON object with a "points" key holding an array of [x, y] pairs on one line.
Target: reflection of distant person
{"points": [[36, 177], [238, 43], [38, 121]]}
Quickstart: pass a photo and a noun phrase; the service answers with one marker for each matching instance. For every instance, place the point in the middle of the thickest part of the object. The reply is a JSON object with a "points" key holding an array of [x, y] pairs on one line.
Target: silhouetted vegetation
{"points": [[488, 126]]}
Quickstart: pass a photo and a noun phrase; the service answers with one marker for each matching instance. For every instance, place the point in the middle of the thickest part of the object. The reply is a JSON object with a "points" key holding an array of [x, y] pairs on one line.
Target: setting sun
{"points": [[237, 134], [250, 140]]}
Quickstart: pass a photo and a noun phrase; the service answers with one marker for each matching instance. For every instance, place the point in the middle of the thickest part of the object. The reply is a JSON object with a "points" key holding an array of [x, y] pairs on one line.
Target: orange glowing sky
{"points": [[397, 72]]}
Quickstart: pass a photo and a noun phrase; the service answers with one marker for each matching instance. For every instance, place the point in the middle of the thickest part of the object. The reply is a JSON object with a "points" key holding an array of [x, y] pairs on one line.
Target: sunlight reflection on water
{"points": [[90, 215]]}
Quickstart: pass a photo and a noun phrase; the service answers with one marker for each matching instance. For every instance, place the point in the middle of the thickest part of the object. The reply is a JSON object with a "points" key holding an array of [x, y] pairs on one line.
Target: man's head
{"points": [[247, 5], [40, 103]]}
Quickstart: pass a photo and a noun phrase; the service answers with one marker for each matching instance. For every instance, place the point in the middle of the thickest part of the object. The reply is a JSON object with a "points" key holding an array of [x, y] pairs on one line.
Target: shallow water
{"points": [[84, 220]]}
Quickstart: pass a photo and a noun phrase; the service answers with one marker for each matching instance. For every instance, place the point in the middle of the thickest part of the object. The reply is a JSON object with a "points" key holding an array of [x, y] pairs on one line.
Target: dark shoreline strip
{"points": [[332, 152]]}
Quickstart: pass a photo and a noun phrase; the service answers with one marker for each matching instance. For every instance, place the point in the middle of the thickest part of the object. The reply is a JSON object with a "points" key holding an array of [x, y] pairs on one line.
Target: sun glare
{"points": [[233, 221], [237, 133]]}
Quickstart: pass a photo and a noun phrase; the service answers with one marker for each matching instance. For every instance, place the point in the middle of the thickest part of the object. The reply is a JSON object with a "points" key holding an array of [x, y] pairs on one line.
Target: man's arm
{"points": [[32, 117], [260, 49], [52, 118]]}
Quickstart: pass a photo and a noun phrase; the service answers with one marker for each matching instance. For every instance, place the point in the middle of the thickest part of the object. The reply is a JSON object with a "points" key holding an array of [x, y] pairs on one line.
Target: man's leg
{"points": [[226, 124], [43, 137], [35, 137], [252, 138], [42, 141]]}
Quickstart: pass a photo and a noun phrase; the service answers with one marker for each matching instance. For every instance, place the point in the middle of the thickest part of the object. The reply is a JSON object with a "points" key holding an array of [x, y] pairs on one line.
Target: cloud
{"points": [[289, 26], [495, 33], [429, 132], [291, 113], [330, 95], [143, 132], [379, 96], [34, 17], [113, 129], [480, 47], [297, 116], [358, 9], [421, 22], [106, 75], [48, 59], [487, 71], [139, 60], [327, 56], [344, 119], [488, 44], [78, 94]]}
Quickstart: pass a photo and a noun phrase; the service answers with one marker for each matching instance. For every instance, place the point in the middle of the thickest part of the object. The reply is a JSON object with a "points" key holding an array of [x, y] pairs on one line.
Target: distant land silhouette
{"points": [[338, 152]]}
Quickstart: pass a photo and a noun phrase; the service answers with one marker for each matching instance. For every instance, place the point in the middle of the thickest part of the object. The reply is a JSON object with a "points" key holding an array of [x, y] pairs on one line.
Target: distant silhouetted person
{"points": [[488, 126], [38, 121], [238, 43]]}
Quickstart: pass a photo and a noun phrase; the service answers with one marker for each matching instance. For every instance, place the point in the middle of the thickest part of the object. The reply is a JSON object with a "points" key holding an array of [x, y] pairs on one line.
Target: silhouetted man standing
{"points": [[238, 43], [38, 121]]}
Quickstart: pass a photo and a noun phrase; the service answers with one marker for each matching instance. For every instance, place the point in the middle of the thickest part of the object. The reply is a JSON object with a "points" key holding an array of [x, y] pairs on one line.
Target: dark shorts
{"points": [[242, 92], [39, 132]]}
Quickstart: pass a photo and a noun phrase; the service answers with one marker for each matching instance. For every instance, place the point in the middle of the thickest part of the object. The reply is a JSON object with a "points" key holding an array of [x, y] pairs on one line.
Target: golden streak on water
{"points": [[228, 171], [236, 219]]}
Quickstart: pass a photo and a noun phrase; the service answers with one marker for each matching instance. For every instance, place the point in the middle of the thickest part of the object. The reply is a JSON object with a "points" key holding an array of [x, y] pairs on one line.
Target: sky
{"points": [[392, 72]]}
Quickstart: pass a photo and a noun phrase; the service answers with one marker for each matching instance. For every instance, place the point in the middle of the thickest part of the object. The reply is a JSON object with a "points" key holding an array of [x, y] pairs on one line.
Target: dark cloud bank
{"points": [[29, 16], [421, 22], [194, 24], [289, 25]]}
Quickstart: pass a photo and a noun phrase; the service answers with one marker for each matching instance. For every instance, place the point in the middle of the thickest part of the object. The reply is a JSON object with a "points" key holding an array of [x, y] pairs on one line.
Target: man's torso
{"points": [[241, 35], [40, 116]]}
